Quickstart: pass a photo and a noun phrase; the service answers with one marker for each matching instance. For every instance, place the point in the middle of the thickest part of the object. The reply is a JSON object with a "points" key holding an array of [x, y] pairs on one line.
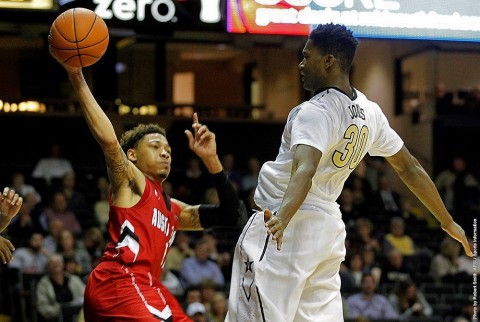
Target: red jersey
{"points": [[142, 235], [126, 286]]}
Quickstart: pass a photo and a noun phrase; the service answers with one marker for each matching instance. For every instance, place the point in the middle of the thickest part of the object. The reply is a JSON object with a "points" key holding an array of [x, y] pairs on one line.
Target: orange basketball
{"points": [[78, 37]]}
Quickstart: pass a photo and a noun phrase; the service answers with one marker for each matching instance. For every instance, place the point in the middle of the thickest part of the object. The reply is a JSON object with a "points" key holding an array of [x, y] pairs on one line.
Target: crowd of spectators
{"points": [[395, 266]]}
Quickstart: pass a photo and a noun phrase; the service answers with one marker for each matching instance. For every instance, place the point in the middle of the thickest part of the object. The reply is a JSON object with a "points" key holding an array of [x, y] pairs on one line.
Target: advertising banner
{"points": [[456, 20]]}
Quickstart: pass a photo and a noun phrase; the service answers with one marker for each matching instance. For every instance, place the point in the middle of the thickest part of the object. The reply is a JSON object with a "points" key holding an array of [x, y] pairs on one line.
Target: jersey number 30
{"points": [[357, 139]]}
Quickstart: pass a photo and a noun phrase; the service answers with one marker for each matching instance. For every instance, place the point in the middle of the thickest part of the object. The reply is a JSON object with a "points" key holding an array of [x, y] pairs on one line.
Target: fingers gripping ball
{"points": [[78, 37]]}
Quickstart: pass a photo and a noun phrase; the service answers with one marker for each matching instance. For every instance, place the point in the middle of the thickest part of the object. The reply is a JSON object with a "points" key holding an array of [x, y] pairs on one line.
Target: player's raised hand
{"points": [[275, 227], [6, 249], [70, 69], [457, 232], [10, 203], [201, 141]]}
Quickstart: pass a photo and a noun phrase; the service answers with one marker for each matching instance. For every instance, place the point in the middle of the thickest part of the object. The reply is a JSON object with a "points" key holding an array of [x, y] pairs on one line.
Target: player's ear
{"points": [[132, 155], [329, 60]]}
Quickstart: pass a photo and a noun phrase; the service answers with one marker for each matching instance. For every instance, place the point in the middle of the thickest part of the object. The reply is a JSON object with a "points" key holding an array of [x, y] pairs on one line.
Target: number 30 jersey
{"points": [[344, 129], [142, 235]]}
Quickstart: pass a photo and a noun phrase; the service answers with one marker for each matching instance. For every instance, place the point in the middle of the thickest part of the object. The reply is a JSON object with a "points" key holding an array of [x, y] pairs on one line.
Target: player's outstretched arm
{"points": [[202, 142], [98, 122], [120, 171], [420, 183], [10, 203]]}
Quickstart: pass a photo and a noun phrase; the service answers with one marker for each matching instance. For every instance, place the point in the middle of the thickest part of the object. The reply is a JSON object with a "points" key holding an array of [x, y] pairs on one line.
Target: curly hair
{"points": [[337, 40], [131, 137]]}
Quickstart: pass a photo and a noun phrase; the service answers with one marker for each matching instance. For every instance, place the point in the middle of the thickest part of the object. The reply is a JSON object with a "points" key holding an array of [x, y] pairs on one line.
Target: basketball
{"points": [[78, 37]]}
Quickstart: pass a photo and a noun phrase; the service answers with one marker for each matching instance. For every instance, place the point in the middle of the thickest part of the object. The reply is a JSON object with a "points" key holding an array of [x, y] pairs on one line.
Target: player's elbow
{"points": [[412, 172]]}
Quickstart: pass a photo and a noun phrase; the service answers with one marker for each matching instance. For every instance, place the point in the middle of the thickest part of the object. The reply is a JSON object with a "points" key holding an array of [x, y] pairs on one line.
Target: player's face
{"points": [[154, 155], [311, 67]]}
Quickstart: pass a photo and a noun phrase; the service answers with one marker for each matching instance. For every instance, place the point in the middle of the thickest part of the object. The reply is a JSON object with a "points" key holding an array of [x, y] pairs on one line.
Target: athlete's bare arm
{"points": [[420, 183], [305, 163], [202, 142], [127, 181], [189, 217]]}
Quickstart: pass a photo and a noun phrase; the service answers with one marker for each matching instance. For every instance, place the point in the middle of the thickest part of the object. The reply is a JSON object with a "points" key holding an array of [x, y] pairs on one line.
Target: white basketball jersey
{"points": [[343, 129]]}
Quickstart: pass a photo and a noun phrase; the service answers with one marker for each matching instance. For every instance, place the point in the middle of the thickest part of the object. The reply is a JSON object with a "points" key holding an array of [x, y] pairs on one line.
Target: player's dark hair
{"points": [[131, 137], [337, 40]]}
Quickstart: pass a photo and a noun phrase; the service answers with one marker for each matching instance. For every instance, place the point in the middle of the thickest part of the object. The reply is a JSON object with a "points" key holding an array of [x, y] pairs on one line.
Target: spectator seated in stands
{"points": [[370, 265], [23, 189], [77, 201], [363, 237], [394, 269], [57, 287], [219, 307], [355, 270], [31, 259], [69, 249], [94, 243], [409, 301], [58, 210], [444, 265], [192, 294], [222, 258], [350, 211], [454, 181], [385, 201], [52, 167], [398, 239], [52, 240], [208, 289], [459, 189], [196, 311], [200, 267], [178, 252], [369, 304]]}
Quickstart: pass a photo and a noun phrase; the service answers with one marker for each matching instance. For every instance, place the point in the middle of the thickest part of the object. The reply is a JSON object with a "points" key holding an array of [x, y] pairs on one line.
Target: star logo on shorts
{"points": [[248, 266], [248, 279]]}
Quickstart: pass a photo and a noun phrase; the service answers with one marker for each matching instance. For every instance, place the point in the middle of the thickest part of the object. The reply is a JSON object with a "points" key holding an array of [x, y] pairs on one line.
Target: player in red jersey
{"points": [[143, 219]]}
